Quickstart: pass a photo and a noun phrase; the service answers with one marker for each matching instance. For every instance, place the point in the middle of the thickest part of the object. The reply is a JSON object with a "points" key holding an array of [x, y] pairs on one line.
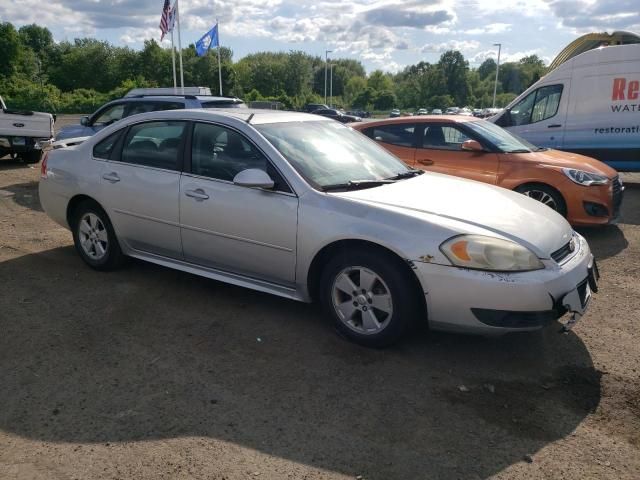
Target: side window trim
{"points": [[188, 152]]}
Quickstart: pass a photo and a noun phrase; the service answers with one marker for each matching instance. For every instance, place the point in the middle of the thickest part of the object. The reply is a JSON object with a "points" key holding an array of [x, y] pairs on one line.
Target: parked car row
{"points": [[304, 207]]}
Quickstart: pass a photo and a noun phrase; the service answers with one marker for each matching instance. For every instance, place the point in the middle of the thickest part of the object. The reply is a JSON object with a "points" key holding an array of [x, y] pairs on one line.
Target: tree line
{"points": [[37, 73]]}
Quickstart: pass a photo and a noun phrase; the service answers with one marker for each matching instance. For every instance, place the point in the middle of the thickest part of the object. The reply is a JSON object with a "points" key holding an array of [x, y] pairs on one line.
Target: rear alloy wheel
{"points": [[370, 297], [544, 194], [95, 239]]}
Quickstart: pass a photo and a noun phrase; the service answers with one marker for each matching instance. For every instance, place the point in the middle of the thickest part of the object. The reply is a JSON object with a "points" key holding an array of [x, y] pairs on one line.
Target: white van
{"points": [[589, 105]]}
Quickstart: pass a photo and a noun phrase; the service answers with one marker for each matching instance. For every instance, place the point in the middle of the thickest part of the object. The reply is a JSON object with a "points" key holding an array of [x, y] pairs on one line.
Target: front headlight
{"points": [[488, 253], [584, 178]]}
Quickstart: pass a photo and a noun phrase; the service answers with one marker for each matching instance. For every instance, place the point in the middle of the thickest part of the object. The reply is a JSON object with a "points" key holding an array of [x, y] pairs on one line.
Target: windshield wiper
{"points": [[408, 174], [541, 149], [357, 184], [519, 150]]}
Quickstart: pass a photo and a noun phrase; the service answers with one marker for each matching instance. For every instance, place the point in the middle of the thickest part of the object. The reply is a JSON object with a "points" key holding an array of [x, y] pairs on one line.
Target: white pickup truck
{"points": [[23, 133]]}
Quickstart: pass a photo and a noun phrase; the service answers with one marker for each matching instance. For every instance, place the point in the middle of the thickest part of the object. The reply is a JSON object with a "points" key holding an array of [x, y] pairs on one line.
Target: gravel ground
{"points": [[150, 373]]}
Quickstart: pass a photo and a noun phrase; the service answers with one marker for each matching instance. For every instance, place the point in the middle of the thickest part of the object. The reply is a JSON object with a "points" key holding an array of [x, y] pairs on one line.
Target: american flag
{"points": [[164, 19]]}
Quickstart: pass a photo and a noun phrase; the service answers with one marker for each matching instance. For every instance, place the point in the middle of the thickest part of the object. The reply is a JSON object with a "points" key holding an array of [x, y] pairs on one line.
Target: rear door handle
{"points": [[555, 125], [425, 161], [198, 194], [111, 177]]}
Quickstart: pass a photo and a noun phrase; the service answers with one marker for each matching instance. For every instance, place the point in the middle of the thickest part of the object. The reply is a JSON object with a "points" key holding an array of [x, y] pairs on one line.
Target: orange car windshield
{"points": [[503, 140]]}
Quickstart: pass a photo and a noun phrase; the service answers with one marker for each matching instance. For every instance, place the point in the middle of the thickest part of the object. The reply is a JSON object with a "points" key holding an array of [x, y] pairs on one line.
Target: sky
{"points": [[382, 34]]}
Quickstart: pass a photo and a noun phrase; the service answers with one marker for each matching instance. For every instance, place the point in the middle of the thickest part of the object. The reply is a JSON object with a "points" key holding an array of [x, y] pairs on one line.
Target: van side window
{"points": [[547, 102], [539, 105]]}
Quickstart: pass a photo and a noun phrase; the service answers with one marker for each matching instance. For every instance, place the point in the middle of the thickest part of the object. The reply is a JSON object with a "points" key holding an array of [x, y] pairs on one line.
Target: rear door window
{"points": [[400, 134], [105, 148], [155, 144]]}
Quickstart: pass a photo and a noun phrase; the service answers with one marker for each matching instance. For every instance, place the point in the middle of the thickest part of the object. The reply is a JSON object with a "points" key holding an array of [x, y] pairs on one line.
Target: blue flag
{"points": [[208, 40]]}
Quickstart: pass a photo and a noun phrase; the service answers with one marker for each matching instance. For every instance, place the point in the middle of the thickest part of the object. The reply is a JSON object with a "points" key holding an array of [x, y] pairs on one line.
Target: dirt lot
{"points": [[149, 373]]}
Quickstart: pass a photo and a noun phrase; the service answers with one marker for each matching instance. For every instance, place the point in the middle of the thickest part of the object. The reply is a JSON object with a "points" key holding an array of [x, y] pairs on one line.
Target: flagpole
{"points": [[180, 48], [173, 60], [219, 67]]}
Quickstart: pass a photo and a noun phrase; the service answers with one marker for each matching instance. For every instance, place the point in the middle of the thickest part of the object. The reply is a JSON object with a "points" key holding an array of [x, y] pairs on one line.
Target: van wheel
{"points": [[369, 297], [544, 194], [94, 237]]}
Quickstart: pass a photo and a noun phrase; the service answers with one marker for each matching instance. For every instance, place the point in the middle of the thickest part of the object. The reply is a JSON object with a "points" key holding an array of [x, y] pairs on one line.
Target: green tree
{"points": [[354, 86], [454, 68], [379, 81], [384, 100], [487, 68], [10, 49]]}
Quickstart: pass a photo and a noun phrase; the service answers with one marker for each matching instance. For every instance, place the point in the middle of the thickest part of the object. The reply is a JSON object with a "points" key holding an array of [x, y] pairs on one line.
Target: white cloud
{"points": [[381, 33], [461, 45]]}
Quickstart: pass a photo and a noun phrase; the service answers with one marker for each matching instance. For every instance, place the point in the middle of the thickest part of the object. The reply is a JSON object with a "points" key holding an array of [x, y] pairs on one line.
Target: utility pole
{"points": [[326, 60], [331, 84], [495, 83]]}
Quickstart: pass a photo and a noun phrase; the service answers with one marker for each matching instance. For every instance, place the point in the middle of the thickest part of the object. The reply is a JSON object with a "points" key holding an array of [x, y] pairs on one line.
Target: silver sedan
{"points": [[309, 209]]}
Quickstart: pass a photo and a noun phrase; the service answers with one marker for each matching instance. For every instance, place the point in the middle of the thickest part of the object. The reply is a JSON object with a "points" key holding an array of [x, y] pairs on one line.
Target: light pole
{"points": [[495, 84], [326, 60], [331, 84]]}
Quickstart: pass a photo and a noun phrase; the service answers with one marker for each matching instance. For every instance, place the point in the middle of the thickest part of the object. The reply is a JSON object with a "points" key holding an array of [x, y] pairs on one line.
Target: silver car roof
{"points": [[256, 116]]}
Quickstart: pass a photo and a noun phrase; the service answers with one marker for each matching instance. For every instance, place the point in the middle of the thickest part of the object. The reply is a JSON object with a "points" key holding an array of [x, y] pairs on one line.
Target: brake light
{"points": [[43, 166]]}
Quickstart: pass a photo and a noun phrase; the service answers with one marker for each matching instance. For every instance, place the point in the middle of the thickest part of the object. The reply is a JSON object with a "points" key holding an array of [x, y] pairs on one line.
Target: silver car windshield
{"points": [[329, 153], [498, 136]]}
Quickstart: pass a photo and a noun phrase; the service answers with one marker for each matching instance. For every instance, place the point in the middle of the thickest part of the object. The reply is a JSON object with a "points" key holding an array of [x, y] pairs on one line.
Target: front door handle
{"points": [[198, 194], [425, 161], [111, 177], [555, 125]]}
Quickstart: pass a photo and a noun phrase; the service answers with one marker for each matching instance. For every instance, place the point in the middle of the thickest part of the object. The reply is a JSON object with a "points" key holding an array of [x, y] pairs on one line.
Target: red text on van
{"points": [[622, 87]]}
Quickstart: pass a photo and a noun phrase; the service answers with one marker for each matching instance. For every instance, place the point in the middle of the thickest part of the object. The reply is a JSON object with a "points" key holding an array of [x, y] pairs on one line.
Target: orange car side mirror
{"points": [[472, 146]]}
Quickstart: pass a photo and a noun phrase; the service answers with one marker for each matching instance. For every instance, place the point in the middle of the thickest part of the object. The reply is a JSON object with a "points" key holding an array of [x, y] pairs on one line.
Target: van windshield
{"points": [[501, 139]]}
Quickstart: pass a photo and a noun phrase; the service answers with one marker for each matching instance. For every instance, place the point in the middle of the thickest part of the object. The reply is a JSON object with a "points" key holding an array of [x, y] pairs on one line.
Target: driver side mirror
{"points": [[84, 121], [253, 178], [472, 146]]}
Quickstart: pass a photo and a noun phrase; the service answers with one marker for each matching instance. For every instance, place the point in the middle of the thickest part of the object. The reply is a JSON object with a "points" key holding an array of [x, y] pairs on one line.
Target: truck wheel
{"points": [[32, 156], [370, 298]]}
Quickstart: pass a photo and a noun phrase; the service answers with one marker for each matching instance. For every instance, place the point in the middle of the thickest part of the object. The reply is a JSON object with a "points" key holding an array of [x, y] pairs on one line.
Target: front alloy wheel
{"points": [[371, 296], [362, 300], [546, 195]]}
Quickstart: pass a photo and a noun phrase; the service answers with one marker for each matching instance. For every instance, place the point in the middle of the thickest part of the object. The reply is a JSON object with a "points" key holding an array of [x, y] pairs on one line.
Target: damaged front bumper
{"points": [[475, 301]]}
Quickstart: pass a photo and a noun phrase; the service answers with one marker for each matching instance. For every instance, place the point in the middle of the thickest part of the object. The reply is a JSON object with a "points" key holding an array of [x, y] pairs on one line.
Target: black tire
{"points": [[406, 307], [537, 192], [112, 258], [32, 156]]}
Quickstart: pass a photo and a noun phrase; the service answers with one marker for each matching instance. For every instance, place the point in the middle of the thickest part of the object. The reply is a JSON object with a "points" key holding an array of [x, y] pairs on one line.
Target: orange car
{"points": [[584, 190]]}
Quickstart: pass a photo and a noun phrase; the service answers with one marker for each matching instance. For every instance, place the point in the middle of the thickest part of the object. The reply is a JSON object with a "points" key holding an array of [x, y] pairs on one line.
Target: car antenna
{"points": [[250, 117]]}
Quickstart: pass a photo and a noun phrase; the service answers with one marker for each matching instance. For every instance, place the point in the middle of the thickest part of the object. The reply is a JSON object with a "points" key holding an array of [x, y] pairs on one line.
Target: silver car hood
{"points": [[472, 207]]}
